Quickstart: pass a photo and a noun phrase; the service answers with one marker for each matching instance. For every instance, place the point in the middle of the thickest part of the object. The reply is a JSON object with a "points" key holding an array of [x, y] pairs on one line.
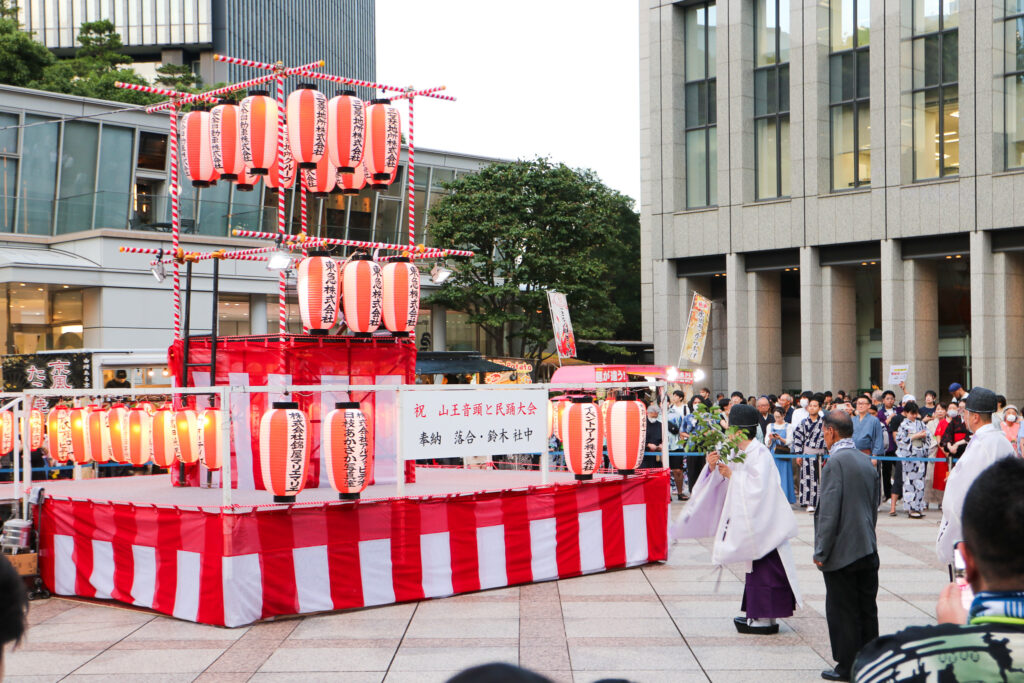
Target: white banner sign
{"points": [[450, 424], [898, 373]]}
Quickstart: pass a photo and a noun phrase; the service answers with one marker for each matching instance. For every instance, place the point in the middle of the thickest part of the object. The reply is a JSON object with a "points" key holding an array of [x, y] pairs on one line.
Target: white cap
{"points": [[907, 398]]}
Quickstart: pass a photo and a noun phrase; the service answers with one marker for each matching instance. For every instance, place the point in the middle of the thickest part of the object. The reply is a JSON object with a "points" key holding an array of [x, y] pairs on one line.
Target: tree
{"points": [[95, 68], [22, 59], [177, 77], [534, 225]]}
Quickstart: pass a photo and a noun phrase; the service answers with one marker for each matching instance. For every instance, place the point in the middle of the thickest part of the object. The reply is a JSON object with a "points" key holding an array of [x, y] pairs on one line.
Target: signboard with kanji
{"points": [[565, 341], [450, 424], [696, 331], [47, 371]]}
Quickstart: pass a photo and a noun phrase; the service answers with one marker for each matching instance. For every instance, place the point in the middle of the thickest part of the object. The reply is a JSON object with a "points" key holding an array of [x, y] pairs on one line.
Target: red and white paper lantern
{"points": [[36, 429], [81, 445], [346, 130], [626, 431], [319, 290], [362, 292], [555, 412], [383, 142], [321, 178], [99, 435], [581, 429], [196, 155], [226, 141], [247, 181], [164, 450], [281, 175], [6, 432], [344, 448], [307, 120], [117, 421], [352, 183], [400, 299], [58, 433], [209, 439], [140, 436], [186, 438], [284, 450], [258, 119]]}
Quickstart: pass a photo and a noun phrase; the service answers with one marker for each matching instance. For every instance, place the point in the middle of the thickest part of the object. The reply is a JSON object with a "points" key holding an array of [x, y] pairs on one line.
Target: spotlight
{"points": [[279, 259], [698, 375], [158, 268], [438, 274]]}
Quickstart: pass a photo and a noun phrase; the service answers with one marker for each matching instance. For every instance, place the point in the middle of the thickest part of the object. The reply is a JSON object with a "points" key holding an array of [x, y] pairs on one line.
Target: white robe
{"points": [[747, 514], [986, 446]]}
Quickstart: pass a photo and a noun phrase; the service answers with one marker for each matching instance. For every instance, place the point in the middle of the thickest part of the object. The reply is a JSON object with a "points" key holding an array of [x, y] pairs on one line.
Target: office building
{"points": [[841, 178]]}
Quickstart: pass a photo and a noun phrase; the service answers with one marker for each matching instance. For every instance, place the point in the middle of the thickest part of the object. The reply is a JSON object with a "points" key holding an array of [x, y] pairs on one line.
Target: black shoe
{"points": [[743, 627], [833, 675]]}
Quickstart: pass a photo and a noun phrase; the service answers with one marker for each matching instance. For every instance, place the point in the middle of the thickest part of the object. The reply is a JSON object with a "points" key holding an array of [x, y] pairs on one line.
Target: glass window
{"points": [[849, 92], [936, 108], [8, 137], [152, 151], [701, 106], [1013, 81], [77, 176], [112, 198], [771, 99], [38, 175]]}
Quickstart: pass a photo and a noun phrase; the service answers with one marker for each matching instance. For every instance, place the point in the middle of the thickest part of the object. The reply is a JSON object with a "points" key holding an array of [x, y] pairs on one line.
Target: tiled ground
{"points": [[658, 623]]}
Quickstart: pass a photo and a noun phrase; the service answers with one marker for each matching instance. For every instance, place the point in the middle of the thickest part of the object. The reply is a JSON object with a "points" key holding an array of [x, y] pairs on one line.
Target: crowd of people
{"points": [[842, 445]]}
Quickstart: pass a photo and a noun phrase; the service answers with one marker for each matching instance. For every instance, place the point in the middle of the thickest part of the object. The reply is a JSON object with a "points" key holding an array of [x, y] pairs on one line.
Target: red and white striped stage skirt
{"points": [[140, 541]]}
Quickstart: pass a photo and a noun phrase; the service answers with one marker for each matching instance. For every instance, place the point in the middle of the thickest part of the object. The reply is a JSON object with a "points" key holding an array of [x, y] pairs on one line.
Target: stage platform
{"points": [[140, 541]]}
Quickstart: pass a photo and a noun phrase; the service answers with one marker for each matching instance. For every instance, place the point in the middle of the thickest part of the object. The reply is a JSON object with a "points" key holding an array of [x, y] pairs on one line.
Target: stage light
{"points": [[279, 259], [158, 270], [698, 375], [672, 373], [438, 274]]}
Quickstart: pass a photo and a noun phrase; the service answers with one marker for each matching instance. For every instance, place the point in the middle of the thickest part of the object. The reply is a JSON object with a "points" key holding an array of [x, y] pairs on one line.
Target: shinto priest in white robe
{"points": [[747, 514]]}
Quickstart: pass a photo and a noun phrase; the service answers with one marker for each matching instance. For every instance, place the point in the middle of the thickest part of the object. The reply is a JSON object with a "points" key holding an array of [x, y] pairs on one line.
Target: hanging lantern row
{"points": [[340, 144], [133, 436], [285, 448], [367, 294], [583, 427]]}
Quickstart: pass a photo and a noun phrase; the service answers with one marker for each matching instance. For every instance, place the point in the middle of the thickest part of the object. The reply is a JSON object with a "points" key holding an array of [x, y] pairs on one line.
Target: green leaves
{"points": [[535, 225], [709, 435], [22, 58]]}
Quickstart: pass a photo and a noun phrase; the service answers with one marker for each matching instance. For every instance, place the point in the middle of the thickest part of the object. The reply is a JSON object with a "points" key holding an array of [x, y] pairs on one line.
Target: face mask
{"points": [[804, 402], [652, 419], [951, 414], [1011, 418]]}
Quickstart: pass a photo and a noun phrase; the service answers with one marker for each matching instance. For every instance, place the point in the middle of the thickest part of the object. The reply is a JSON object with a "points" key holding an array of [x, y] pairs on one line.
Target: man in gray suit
{"points": [[845, 548]]}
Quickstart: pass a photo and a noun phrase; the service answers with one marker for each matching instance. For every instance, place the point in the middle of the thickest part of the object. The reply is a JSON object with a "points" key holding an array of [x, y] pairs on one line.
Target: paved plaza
{"points": [[664, 622]]}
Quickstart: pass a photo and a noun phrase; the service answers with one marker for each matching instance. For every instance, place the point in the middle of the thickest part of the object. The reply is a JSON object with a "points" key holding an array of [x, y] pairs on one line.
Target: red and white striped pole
{"points": [[412, 178], [304, 215], [282, 296], [175, 220]]}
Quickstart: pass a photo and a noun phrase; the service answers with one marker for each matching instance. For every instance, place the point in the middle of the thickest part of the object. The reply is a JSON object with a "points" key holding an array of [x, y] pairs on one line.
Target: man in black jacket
{"points": [[845, 547]]}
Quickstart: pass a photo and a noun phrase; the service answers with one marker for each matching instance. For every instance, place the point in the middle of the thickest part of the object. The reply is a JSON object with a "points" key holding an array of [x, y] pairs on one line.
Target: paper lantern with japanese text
{"points": [[196, 157], [99, 435], [209, 439], [140, 437], [344, 453], [36, 429], [319, 291], [320, 179], [81, 445], [352, 183], [361, 294], [58, 433], [581, 427], [400, 279], [6, 432], [281, 175], [626, 431], [307, 120], [117, 420], [186, 437], [346, 130], [284, 450], [258, 124], [164, 451], [226, 141], [383, 142], [555, 412]]}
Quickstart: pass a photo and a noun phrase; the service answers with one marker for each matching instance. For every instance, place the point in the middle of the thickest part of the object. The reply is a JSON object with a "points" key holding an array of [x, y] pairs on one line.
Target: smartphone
{"points": [[958, 574]]}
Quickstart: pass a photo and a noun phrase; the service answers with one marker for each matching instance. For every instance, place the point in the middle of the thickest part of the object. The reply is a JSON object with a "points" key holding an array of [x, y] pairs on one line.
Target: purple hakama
{"points": [[767, 593]]}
